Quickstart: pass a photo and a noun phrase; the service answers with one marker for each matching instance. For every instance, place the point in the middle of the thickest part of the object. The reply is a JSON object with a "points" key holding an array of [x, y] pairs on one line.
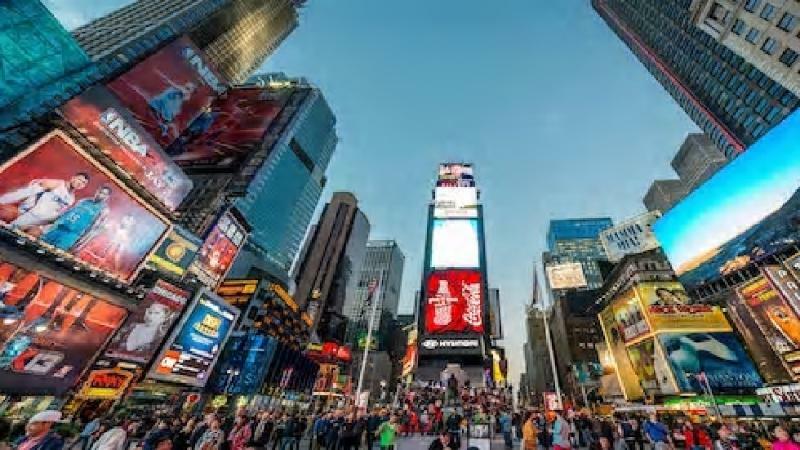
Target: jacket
{"points": [[51, 441]]}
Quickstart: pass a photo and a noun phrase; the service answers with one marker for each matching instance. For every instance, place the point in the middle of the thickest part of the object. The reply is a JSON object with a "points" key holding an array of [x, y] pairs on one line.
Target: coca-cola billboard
{"points": [[454, 302]]}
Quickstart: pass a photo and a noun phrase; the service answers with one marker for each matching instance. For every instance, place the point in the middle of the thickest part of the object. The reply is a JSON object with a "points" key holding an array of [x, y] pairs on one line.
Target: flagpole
{"points": [[368, 344]]}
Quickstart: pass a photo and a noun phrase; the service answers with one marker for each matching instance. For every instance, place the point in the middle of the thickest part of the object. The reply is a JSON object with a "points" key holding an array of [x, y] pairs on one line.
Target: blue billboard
{"points": [[718, 356], [748, 209]]}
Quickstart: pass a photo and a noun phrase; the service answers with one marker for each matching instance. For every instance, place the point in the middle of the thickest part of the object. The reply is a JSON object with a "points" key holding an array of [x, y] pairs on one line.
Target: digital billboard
{"points": [[219, 250], [565, 275], [717, 356], [776, 319], [455, 243], [189, 355], [176, 252], [99, 116], [169, 89], [455, 175], [630, 237], [626, 374], [455, 202], [230, 128], [55, 193], [106, 384], [650, 367], [454, 302], [49, 332], [668, 308], [748, 208], [629, 319], [144, 330]]}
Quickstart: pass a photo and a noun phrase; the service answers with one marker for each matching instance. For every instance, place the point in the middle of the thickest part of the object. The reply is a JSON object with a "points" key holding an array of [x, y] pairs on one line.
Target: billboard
{"points": [[106, 384], [175, 253], [238, 292], [777, 321], [219, 250], [651, 368], [233, 125], [454, 302], [409, 361], [669, 308], [717, 356], [455, 202], [189, 355], [747, 209], [566, 275], [455, 243], [455, 175], [99, 116], [626, 374], [629, 322], [49, 333], [630, 237], [169, 89], [55, 193], [144, 330]]}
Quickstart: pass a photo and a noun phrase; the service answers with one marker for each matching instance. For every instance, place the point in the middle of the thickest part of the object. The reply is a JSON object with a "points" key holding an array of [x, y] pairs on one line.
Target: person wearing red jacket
{"points": [[697, 437]]}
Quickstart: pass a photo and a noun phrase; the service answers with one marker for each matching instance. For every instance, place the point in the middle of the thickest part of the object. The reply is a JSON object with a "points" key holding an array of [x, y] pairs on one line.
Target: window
{"points": [[768, 12], [788, 57], [751, 5], [787, 22], [769, 46], [752, 35], [738, 27]]}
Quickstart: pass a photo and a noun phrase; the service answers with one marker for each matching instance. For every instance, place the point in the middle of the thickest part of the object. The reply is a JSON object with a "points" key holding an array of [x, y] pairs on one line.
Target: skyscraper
{"points": [[577, 240], [663, 195], [236, 35], [728, 97], [329, 273], [383, 264]]}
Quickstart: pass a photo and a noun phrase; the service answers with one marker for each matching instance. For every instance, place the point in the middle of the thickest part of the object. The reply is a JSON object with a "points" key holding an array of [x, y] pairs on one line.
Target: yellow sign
{"points": [[626, 375], [106, 384], [281, 292], [668, 308], [237, 292]]}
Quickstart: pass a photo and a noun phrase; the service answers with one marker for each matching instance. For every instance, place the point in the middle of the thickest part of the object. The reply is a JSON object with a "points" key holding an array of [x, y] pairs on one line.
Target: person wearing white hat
{"points": [[39, 434]]}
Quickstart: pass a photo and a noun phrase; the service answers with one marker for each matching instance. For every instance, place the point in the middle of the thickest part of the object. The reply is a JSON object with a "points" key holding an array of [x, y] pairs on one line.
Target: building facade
{"points": [[538, 368], [577, 240], [728, 97]]}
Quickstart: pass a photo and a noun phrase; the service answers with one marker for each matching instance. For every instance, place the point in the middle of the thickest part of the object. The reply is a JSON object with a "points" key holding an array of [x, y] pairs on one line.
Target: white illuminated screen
{"points": [[455, 243], [455, 202]]}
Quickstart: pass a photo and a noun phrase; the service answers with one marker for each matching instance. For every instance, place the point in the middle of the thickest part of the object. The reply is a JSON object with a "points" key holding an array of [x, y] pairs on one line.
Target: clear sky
{"points": [[557, 115]]}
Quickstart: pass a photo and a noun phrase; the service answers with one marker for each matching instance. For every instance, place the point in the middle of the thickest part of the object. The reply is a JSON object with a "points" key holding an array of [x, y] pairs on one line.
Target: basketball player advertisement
{"points": [[454, 302], [55, 193], [168, 90], [219, 250]]}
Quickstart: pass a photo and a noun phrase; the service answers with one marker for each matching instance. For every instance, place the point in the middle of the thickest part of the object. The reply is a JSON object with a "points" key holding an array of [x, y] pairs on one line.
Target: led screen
{"points": [[169, 89], [55, 193], [745, 210], [669, 308], [455, 202], [219, 250], [176, 252], [455, 175], [189, 355], [49, 332], [626, 373], [455, 243], [454, 302]]}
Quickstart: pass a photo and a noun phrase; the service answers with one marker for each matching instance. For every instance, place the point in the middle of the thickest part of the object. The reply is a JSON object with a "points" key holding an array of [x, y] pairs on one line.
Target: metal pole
{"points": [[375, 297], [552, 356]]}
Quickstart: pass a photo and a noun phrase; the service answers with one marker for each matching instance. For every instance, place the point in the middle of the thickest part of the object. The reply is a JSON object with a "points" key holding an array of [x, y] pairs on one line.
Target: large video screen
{"points": [[669, 308], [230, 128], [169, 89], [219, 250], [455, 202], [55, 193], [719, 356], [455, 175], [176, 252], [454, 302], [49, 332], [189, 355], [455, 243], [144, 330], [101, 117], [747, 209]]}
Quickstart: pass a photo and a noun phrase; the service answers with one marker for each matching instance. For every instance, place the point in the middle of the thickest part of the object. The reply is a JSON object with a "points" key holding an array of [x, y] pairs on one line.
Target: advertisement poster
{"points": [[785, 283], [99, 116], [49, 333], [628, 380], [566, 275], [776, 320], [628, 315], [630, 237], [238, 293], [176, 252], [719, 356], [107, 384], [56, 194], [650, 367], [454, 302], [144, 330], [455, 202], [455, 244], [455, 175], [747, 209], [230, 128], [169, 89], [669, 308], [219, 250], [189, 355]]}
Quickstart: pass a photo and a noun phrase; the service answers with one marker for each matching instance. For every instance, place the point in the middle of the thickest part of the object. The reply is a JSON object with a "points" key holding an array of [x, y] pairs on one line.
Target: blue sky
{"points": [[557, 115]]}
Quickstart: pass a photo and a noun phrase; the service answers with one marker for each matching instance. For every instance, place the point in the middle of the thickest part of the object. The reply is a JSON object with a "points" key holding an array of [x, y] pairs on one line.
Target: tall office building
{"points": [[329, 273], [383, 264], [578, 240], [236, 35], [729, 98], [663, 195]]}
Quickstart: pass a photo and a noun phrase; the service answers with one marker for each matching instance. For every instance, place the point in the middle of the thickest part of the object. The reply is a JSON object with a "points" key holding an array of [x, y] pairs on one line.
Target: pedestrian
{"points": [[442, 442], [184, 435], [724, 439], [657, 433], [39, 434], [782, 440], [240, 434], [387, 433], [374, 421], [91, 426], [529, 433], [213, 437], [199, 430], [113, 439], [627, 432], [560, 431], [160, 430], [164, 442], [505, 428], [696, 436]]}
